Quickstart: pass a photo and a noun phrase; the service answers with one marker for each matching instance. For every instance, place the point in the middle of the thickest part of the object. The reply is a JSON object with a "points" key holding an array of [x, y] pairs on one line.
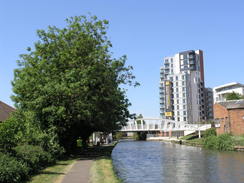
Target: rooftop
{"points": [[228, 85], [5, 111]]}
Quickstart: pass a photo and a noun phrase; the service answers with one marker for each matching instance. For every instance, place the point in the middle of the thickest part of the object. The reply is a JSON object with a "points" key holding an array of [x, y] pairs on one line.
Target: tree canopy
{"points": [[71, 82]]}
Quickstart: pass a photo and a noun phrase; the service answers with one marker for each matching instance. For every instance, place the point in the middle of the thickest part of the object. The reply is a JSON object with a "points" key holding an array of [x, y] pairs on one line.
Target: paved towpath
{"points": [[80, 170], [79, 173]]}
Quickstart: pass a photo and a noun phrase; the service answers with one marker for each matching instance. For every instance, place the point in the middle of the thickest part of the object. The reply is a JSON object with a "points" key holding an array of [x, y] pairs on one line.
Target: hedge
{"points": [[34, 157], [11, 170]]}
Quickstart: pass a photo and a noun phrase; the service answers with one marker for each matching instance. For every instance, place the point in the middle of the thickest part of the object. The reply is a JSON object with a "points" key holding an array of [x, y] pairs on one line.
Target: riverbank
{"points": [[223, 142], [93, 164]]}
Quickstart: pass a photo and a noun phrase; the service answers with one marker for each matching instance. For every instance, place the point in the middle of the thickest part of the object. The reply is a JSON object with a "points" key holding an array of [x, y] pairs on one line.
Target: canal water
{"points": [[161, 162]]}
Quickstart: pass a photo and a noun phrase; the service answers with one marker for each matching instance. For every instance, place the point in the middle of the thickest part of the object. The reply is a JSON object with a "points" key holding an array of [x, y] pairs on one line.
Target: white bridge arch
{"points": [[163, 125]]}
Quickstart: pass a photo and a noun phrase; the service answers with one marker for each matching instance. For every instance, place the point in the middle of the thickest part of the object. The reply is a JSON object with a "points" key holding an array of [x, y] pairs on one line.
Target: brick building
{"points": [[5, 111], [230, 114]]}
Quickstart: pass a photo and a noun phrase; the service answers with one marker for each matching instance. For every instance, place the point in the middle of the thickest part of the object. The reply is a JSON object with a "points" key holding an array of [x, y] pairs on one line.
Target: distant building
{"points": [[5, 111], [182, 90], [230, 115], [209, 103], [221, 91]]}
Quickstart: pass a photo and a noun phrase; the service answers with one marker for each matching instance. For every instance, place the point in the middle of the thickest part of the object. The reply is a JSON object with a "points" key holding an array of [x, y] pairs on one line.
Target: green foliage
{"points": [[34, 156], [210, 142], [21, 128], [210, 132], [189, 137], [140, 136], [239, 140], [71, 83], [222, 142], [118, 135], [233, 96], [12, 171], [79, 142]]}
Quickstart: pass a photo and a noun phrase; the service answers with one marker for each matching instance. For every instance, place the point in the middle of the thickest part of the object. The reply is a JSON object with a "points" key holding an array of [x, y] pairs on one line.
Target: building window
{"points": [[178, 107], [184, 106], [178, 119], [176, 83], [184, 118], [183, 82], [178, 113], [183, 77], [184, 95], [177, 89], [184, 100], [184, 112]]}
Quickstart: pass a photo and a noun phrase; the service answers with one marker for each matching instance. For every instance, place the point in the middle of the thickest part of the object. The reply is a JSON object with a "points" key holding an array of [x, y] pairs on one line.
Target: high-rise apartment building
{"points": [[209, 101], [182, 90]]}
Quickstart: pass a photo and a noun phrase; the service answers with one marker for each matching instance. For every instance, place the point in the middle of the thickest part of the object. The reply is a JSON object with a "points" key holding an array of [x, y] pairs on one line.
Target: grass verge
{"points": [[102, 171], [53, 174]]}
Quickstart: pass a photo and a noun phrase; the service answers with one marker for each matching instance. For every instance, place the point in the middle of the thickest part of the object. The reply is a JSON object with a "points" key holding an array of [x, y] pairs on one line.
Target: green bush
{"points": [[34, 157], [222, 142], [11, 170], [10, 132], [210, 132], [225, 142], [119, 135], [210, 142], [21, 128]]}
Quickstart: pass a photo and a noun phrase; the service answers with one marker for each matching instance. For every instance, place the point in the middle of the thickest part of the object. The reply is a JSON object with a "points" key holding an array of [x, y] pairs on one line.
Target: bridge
{"points": [[165, 126]]}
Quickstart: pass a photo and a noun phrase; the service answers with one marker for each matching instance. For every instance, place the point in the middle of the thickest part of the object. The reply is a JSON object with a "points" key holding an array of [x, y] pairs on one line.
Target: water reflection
{"points": [[158, 162]]}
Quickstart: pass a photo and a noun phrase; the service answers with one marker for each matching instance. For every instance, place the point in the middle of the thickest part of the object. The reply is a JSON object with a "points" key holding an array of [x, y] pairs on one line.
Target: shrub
{"points": [[10, 133], [12, 171], [49, 142], [222, 142], [34, 156], [225, 142], [210, 132], [118, 135], [210, 142], [21, 128]]}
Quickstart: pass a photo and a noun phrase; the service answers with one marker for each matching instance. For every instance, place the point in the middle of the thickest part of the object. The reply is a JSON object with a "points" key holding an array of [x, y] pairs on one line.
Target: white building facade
{"points": [[181, 88], [221, 91]]}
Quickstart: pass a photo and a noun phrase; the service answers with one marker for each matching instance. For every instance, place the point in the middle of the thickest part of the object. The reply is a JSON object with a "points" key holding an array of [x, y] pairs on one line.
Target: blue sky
{"points": [[146, 31]]}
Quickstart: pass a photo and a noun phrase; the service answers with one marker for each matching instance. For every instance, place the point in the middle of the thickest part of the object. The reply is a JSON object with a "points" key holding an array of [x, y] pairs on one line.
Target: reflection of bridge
{"points": [[162, 125]]}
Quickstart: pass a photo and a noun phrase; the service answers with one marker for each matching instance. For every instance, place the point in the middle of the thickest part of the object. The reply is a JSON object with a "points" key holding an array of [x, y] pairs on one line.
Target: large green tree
{"points": [[71, 82]]}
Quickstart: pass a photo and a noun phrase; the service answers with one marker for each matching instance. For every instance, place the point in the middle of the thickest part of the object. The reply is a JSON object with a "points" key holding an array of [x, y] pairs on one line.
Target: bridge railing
{"points": [[162, 125]]}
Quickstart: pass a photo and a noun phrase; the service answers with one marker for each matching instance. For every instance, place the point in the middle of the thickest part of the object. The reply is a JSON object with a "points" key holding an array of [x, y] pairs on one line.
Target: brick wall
{"points": [[221, 115], [231, 121], [237, 121]]}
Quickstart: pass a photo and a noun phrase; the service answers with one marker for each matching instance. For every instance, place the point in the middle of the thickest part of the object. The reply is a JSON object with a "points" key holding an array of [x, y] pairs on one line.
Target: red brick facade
{"points": [[231, 119]]}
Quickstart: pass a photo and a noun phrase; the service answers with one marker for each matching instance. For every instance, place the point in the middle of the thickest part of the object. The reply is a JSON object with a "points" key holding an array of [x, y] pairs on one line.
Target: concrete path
{"points": [[79, 173]]}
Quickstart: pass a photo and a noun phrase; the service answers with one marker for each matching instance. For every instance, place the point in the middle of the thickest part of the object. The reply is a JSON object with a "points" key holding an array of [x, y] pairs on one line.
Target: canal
{"points": [[160, 162]]}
